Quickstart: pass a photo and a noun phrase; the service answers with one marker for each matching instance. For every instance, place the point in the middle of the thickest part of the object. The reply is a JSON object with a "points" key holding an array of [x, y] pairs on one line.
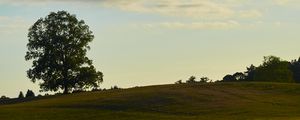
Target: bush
{"points": [[21, 95], [30, 94], [192, 79], [178, 82], [4, 98]]}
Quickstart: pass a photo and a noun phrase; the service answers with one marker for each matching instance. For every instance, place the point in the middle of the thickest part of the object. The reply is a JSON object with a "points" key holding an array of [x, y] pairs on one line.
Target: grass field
{"points": [[214, 101]]}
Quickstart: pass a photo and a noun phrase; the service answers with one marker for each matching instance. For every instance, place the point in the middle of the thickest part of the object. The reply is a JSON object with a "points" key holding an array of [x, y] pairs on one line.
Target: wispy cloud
{"points": [[192, 25], [202, 14], [286, 2], [201, 9], [10, 25]]}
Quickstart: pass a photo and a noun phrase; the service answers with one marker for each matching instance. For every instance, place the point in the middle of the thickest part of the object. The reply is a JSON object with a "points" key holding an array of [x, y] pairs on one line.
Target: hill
{"points": [[213, 101]]}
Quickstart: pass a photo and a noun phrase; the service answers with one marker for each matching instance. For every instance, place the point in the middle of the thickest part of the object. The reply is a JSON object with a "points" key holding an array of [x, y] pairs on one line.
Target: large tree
{"points": [[57, 48]]}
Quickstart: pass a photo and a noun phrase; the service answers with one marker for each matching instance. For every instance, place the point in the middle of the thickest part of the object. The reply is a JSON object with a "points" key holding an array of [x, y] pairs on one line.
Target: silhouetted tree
{"points": [[192, 79], [295, 67], [274, 69], [29, 94], [178, 82], [239, 76], [204, 80], [21, 95], [229, 78], [57, 45], [3, 97], [271, 60], [249, 74], [114, 87]]}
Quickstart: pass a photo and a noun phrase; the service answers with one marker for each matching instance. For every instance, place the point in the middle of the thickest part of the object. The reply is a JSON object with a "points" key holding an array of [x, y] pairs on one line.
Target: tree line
{"points": [[273, 69]]}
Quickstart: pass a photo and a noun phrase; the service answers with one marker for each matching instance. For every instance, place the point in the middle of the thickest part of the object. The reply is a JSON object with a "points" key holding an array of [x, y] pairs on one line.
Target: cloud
{"points": [[10, 25], [197, 9], [192, 25], [228, 13], [201, 9], [205, 9], [286, 2], [250, 14], [46, 2], [201, 14], [282, 2]]}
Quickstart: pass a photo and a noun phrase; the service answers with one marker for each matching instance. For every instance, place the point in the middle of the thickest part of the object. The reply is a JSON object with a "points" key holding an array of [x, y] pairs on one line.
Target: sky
{"points": [[150, 42]]}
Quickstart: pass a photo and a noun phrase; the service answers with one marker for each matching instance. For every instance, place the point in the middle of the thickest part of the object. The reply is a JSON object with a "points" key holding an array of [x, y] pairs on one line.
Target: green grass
{"points": [[215, 101]]}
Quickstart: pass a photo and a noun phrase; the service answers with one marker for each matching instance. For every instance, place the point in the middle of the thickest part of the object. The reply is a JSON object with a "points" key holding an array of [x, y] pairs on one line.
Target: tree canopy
{"points": [[273, 69], [29, 94], [57, 48], [21, 95]]}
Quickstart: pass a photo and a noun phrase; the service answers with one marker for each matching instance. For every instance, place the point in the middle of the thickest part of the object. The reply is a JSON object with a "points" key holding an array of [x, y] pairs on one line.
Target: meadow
{"points": [[217, 101]]}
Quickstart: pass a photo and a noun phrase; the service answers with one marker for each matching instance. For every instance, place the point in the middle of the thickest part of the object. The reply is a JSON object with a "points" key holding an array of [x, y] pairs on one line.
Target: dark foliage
{"points": [[273, 69], [204, 80], [179, 82], [295, 67], [249, 74], [29, 94], [3, 97], [115, 88], [229, 78], [21, 95], [192, 79], [78, 91]]}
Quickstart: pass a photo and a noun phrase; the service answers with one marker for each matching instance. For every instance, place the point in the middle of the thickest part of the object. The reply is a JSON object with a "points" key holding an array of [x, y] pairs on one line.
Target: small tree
{"points": [[21, 95], [178, 82], [114, 87], [295, 68], [192, 79], [3, 97], [229, 78], [204, 79], [249, 74], [29, 94], [239, 76]]}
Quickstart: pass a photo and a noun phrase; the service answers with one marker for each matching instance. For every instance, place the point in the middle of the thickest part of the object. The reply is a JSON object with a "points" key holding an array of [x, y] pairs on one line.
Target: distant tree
{"points": [[204, 80], [114, 87], [239, 76], [57, 47], [21, 95], [270, 60], [229, 78], [178, 82], [3, 97], [192, 79], [249, 74], [29, 94], [295, 68], [274, 69]]}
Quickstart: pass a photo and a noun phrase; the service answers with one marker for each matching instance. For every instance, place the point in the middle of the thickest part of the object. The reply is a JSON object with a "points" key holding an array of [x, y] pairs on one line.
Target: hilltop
{"points": [[244, 100]]}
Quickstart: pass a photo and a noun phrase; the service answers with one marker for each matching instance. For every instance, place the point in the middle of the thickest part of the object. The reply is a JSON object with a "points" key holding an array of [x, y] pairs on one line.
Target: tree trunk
{"points": [[66, 89]]}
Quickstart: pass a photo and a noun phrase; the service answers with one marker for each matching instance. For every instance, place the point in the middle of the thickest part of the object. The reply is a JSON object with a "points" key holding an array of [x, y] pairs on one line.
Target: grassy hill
{"points": [[213, 101]]}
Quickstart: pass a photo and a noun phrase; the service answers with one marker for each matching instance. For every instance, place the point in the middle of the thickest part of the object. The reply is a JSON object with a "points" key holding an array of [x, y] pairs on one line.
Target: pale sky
{"points": [[149, 42]]}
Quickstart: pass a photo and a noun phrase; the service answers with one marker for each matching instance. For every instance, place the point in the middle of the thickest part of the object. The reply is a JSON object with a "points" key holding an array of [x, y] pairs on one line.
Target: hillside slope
{"points": [[185, 101]]}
